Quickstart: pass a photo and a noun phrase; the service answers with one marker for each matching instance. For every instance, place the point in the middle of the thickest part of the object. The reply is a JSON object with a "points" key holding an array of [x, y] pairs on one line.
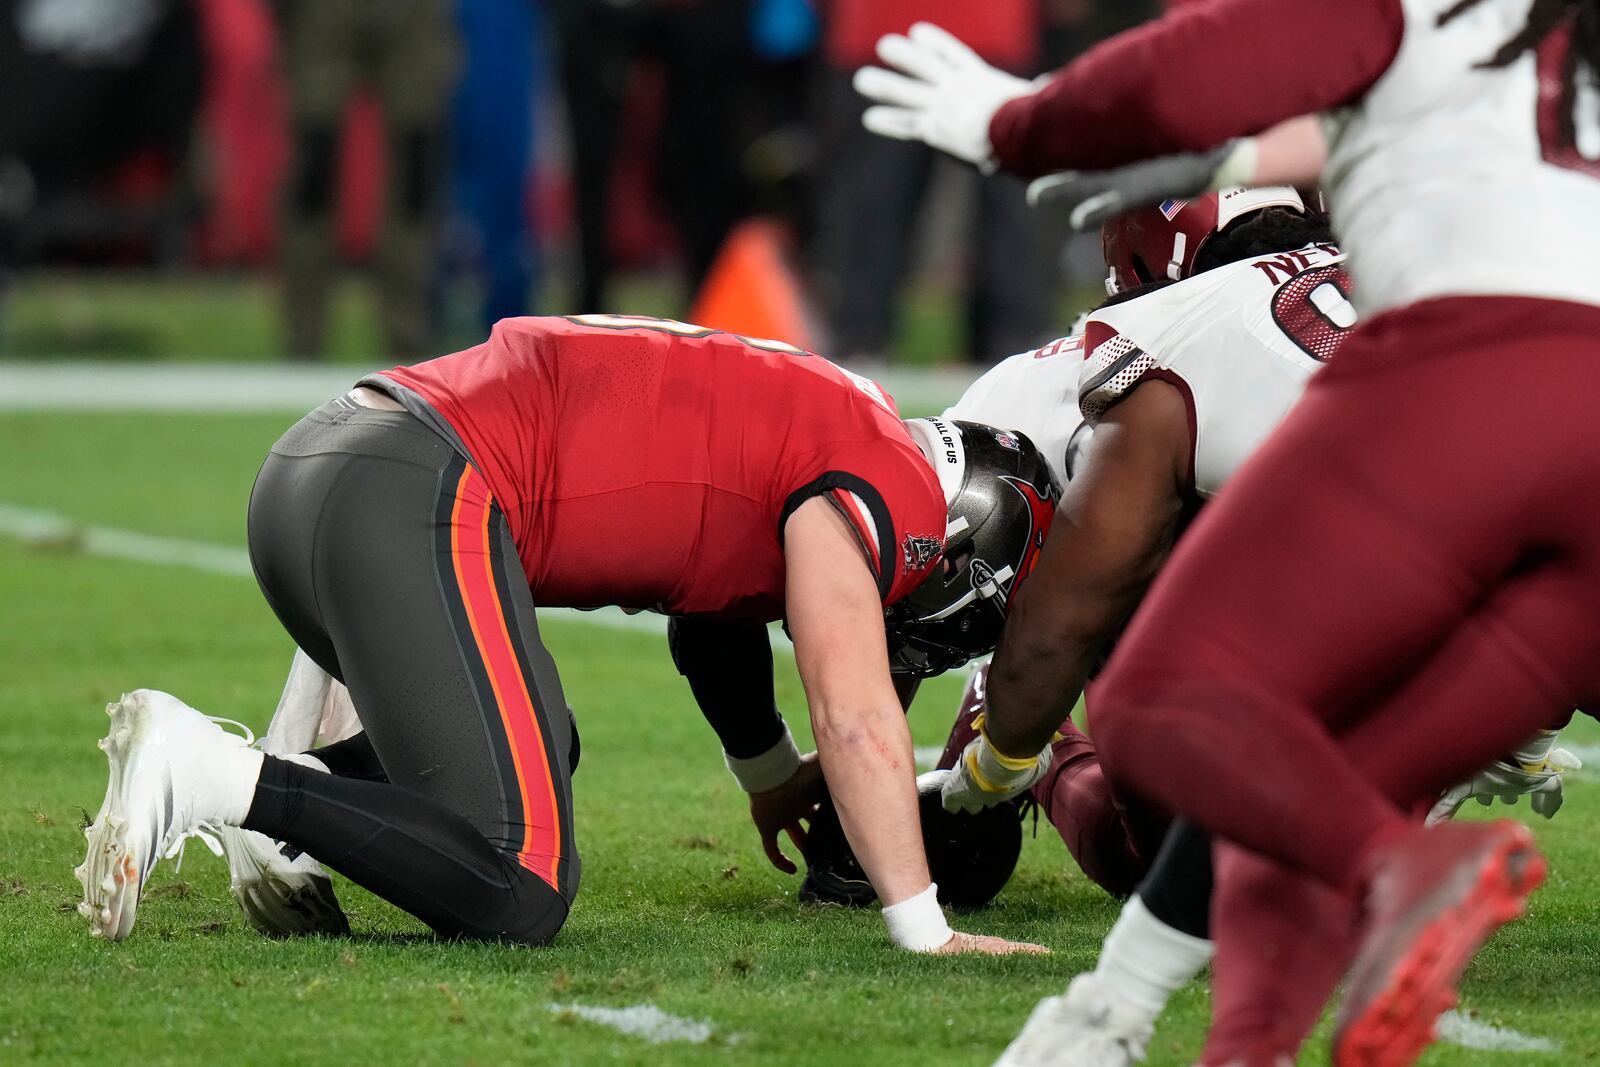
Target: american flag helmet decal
{"points": [[1170, 208]]}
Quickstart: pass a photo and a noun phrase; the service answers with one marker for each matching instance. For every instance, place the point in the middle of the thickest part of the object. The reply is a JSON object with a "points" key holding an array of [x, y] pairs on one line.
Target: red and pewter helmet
{"points": [[1000, 495], [1161, 242]]}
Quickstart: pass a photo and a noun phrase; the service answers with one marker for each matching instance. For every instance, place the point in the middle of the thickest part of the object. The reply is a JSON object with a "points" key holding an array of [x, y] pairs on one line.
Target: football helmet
{"points": [[1001, 497], [970, 857], [1161, 242]]}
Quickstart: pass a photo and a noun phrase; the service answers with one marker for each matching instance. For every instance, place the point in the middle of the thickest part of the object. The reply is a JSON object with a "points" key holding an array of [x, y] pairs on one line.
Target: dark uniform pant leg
{"points": [[387, 559]]}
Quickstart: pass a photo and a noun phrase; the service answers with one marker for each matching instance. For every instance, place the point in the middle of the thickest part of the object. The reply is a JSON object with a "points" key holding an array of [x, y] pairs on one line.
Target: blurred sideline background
{"points": [[374, 181]]}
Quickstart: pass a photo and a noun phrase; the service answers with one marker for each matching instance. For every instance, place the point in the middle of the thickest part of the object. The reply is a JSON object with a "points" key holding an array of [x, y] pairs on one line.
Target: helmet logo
{"points": [[990, 584], [1170, 208], [1008, 440], [1041, 512], [920, 551]]}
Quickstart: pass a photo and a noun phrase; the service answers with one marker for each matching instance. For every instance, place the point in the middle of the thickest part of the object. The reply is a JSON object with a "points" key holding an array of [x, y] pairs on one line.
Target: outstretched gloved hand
{"points": [[1510, 779], [938, 91]]}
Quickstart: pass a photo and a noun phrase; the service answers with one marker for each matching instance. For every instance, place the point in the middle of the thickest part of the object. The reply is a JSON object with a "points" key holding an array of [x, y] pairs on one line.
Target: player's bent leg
{"points": [[1436, 894], [1284, 610], [282, 890], [416, 583], [1477, 688], [1283, 942], [1111, 843], [963, 730], [1439, 894], [1278, 614], [1489, 686], [417, 854]]}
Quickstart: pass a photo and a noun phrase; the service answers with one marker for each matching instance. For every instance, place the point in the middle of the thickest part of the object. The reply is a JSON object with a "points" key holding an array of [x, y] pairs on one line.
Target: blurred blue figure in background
{"points": [[494, 146], [784, 30]]}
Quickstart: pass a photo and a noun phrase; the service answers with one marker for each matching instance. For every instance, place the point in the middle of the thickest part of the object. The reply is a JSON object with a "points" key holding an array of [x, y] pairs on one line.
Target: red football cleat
{"points": [[1438, 894]]}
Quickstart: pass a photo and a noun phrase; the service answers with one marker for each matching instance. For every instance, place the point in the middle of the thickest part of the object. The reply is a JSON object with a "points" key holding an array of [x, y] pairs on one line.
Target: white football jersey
{"points": [[1035, 393], [1240, 342], [1451, 179]]}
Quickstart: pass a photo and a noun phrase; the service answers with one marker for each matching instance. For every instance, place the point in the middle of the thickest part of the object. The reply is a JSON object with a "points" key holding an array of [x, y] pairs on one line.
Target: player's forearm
{"points": [[867, 757], [1037, 676], [728, 666], [1195, 78], [1291, 153], [1064, 619]]}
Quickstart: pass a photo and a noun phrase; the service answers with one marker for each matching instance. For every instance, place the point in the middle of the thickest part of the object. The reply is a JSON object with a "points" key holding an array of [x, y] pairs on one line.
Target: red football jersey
{"points": [[648, 463]]}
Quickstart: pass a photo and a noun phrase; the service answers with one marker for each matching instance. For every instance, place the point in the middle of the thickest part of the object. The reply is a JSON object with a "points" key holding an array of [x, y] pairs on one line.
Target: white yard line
{"points": [[82, 386], [51, 529], [646, 1021], [1463, 1030], [47, 528], [292, 388]]}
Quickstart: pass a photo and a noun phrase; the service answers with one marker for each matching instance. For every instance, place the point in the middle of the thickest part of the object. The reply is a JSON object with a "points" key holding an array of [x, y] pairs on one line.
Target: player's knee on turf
{"points": [[1080, 805], [528, 912]]}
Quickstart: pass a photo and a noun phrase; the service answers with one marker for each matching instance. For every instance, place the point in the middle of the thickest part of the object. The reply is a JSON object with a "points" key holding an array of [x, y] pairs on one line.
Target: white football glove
{"points": [[983, 777], [1506, 781], [938, 91]]}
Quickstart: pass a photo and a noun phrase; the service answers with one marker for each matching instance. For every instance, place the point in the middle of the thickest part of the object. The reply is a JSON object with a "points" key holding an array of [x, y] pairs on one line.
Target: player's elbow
{"points": [[853, 726]]}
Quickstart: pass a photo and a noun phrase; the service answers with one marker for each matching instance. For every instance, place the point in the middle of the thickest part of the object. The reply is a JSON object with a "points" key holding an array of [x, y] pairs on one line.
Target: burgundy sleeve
{"points": [[1201, 74]]}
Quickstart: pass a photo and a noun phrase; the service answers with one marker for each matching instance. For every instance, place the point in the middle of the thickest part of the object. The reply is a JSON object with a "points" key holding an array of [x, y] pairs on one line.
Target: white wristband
{"points": [[770, 769], [918, 923]]}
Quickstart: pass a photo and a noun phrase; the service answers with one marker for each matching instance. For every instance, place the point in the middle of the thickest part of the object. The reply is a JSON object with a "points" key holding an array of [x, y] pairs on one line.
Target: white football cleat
{"points": [[283, 892], [1084, 1027], [175, 774]]}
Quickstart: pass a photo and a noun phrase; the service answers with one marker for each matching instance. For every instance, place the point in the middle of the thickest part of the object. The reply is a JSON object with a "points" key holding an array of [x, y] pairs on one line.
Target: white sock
{"points": [[239, 777], [1144, 961], [243, 776]]}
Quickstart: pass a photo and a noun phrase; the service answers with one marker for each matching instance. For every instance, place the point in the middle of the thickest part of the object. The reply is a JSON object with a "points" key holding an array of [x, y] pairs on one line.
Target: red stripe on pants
{"points": [[470, 531]]}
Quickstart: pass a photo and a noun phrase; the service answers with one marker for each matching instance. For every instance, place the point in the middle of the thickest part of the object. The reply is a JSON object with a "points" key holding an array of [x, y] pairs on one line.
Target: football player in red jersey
{"points": [[1389, 600], [405, 532]]}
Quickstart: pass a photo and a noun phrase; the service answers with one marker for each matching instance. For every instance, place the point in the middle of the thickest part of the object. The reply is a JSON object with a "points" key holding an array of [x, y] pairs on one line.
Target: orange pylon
{"points": [[751, 289]]}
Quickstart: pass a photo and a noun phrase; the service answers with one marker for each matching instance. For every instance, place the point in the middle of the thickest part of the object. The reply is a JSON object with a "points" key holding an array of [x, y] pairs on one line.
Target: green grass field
{"points": [[678, 908]]}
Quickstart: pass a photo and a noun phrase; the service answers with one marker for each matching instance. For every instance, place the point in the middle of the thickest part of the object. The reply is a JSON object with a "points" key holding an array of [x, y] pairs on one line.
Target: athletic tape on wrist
{"points": [[1010, 762], [918, 923], [770, 769], [981, 780]]}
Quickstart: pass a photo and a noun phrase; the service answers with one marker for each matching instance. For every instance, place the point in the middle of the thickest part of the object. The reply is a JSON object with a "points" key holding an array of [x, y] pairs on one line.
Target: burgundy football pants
{"points": [[1412, 558]]}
